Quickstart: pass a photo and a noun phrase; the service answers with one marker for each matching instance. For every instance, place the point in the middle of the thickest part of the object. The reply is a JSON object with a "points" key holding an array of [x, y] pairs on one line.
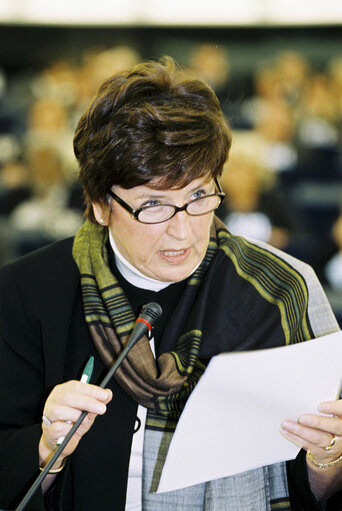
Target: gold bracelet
{"points": [[55, 470], [322, 465]]}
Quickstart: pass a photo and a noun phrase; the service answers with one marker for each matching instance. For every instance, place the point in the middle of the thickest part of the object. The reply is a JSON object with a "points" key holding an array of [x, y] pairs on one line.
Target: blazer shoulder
{"points": [[52, 260], [45, 276]]}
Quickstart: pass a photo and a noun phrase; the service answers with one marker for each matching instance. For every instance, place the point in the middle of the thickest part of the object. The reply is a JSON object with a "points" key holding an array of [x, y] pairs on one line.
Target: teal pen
{"points": [[88, 371], [85, 378]]}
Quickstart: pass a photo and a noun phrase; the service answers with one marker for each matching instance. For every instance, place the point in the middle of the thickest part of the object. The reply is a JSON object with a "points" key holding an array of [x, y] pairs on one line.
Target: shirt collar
{"points": [[132, 274]]}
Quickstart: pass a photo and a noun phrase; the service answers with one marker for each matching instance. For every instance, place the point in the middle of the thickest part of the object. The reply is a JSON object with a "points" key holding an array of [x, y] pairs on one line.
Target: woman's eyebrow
{"points": [[162, 194], [154, 194]]}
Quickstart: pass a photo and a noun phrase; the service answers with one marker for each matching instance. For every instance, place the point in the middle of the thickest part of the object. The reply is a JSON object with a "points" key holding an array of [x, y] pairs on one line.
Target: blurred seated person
{"points": [[99, 64], [254, 207], [333, 268], [293, 73], [211, 62], [328, 266], [48, 123], [46, 214], [14, 186], [318, 131], [14, 189]]}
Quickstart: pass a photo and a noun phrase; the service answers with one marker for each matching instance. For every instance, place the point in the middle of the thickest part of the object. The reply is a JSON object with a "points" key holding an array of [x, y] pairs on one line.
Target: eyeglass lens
{"points": [[160, 213]]}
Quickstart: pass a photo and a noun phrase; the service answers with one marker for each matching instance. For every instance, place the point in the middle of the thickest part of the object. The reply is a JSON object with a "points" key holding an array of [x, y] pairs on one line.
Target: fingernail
{"points": [[322, 407], [101, 408]]}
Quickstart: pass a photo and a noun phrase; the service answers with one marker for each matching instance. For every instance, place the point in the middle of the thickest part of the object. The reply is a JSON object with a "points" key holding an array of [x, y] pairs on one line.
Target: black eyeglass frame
{"points": [[136, 212]]}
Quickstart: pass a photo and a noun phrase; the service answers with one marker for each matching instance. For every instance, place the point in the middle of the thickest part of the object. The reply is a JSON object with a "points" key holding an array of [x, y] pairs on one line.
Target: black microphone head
{"points": [[151, 312]]}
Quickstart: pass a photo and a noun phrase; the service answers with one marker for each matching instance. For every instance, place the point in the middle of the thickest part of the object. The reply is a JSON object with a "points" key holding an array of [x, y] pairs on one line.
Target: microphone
{"points": [[150, 312], [144, 323]]}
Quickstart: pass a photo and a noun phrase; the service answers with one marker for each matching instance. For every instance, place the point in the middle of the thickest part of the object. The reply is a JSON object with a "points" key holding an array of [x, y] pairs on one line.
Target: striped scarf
{"points": [[242, 296], [163, 385]]}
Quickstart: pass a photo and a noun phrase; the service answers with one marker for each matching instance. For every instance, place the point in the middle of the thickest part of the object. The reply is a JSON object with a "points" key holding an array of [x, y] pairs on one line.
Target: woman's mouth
{"points": [[174, 256]]}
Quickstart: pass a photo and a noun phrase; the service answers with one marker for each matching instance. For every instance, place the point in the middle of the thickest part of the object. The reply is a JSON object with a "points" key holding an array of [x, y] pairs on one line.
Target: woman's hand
{"points": [[322, 436], [62, 408]]}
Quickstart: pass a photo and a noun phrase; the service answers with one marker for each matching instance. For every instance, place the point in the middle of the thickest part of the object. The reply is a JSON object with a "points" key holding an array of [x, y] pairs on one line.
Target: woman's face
{"points": [[169, 251]]}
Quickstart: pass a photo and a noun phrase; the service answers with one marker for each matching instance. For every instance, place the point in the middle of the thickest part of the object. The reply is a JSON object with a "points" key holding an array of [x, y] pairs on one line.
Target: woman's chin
{"points": [[175, 274]]}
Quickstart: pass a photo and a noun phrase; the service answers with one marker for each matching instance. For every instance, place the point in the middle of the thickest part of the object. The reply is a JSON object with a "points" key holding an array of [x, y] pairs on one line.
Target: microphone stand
{"points": [[132, 341]]}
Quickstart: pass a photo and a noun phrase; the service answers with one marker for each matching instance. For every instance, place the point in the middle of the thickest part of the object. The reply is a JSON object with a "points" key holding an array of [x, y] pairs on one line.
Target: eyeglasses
{"points": [[159, 213]]}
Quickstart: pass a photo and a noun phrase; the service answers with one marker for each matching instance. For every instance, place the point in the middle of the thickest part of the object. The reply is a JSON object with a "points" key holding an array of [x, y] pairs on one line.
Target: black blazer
{"points": [[44, 341]]}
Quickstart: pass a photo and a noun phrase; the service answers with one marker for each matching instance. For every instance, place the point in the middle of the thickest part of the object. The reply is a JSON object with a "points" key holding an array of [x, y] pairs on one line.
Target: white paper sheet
{"points": [[231, 423]]}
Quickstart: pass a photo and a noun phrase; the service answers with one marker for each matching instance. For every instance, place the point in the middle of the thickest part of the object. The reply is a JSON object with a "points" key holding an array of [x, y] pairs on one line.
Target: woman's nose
{"points": [[179, 226]]}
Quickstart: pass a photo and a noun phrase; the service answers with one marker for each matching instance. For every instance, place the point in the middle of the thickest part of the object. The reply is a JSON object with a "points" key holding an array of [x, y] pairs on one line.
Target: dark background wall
{"points": [[34, 46]]}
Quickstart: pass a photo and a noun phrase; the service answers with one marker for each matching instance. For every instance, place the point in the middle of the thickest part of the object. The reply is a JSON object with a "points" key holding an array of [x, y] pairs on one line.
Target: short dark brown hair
{"points": [[154, 122]]}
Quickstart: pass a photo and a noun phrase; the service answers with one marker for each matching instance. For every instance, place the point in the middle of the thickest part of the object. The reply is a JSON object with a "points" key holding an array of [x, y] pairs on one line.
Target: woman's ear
{"points": [[101, 213]]}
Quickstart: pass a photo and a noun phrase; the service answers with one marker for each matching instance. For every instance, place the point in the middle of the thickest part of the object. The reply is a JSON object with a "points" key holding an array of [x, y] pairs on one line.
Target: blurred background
{"points": [[275, 65]]}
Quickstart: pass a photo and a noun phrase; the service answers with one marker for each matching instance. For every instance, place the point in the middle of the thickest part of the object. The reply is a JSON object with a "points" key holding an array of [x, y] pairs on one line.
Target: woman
{"points": [[150, 149]]}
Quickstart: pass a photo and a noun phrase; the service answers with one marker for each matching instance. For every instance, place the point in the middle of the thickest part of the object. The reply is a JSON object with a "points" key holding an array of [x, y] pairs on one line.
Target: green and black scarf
{"points": [[213, 315]]}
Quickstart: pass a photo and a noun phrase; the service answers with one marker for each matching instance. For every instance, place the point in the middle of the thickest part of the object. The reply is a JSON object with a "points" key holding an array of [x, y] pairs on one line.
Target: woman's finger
{"points": [[65, 405], [331, 425], [331, 407], [307, 437], [67, 401]]}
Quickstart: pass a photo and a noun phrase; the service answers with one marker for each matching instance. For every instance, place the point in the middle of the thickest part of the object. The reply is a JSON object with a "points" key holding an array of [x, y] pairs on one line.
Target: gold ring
{"points": [[331, 445]]}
